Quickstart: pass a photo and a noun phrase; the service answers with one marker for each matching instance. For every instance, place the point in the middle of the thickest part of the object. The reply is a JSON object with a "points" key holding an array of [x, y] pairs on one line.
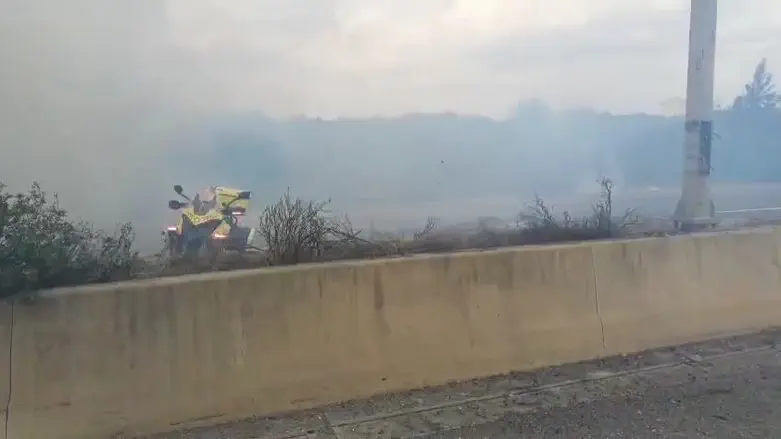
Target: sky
{"points": [[93, 93], [363, 57]]}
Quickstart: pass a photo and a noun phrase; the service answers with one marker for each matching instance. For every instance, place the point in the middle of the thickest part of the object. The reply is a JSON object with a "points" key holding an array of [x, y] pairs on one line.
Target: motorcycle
{"points": [[209, 223]]}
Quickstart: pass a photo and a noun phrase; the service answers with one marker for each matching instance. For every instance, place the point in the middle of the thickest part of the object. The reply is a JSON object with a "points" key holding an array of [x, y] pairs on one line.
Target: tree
{"points": [[760, 93]]}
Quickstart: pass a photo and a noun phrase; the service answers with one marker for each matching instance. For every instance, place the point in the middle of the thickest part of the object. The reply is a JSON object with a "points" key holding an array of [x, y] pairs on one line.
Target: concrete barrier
{"points": [[663, 292], [6, 322], [151, 356], [140, 357]]}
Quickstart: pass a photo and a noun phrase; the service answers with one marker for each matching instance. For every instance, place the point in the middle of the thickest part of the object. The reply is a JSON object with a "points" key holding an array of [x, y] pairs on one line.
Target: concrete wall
{"points": [[151, 356], [6, 322], [661, 292]]}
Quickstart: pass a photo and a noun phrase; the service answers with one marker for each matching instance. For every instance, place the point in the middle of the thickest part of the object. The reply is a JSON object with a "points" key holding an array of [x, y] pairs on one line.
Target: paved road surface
{"points": [[721, 389]]}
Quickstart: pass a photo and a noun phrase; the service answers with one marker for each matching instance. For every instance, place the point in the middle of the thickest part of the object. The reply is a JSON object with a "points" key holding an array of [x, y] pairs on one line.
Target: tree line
{"points": [[422, 157]]}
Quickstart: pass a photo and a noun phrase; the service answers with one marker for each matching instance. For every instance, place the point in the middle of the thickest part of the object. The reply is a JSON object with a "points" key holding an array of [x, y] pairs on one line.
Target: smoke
{"points": [[89, 104], [97, 97]]}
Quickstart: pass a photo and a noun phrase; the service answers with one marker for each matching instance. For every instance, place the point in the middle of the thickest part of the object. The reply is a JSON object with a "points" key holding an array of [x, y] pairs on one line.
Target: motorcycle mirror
{"points": [[244, 195], [178, 189], [175, 205]]}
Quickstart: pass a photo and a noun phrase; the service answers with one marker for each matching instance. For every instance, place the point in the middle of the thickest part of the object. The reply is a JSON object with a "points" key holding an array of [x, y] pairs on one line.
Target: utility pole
{"points": [[695, 209]]}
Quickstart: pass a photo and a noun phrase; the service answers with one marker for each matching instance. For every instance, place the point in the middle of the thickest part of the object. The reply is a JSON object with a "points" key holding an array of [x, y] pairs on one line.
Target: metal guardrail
{"points": [[758, 209]]}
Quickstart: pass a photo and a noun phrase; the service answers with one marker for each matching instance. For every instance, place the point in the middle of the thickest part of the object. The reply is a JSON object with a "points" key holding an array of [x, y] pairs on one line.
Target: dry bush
{"points": [[294, 231], [344, 242], [297, 231], [540, 225]]}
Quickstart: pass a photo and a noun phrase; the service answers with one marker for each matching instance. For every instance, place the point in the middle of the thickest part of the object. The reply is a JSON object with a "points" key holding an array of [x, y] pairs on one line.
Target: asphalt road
{"points": [[722, 389], [736, 397]]}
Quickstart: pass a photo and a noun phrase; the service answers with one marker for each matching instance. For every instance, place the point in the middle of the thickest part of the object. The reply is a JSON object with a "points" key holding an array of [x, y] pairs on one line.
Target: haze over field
{"points": [[382, 105]]}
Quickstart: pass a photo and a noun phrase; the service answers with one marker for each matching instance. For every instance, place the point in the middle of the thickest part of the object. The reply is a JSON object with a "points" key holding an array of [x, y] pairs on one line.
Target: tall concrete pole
{"points": [[695, 209]]}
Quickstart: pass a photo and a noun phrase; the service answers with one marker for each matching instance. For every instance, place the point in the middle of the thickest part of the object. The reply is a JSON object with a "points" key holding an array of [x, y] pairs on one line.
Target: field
{"points": [[647, 202], [460, 227]]}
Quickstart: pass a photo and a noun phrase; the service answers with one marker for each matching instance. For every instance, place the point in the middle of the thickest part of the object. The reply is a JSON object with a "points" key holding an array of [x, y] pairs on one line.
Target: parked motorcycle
{"points": [[209, 223]]}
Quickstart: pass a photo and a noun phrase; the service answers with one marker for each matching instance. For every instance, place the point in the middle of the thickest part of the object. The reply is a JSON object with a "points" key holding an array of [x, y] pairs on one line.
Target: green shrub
{"points": [[41, 248]]}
